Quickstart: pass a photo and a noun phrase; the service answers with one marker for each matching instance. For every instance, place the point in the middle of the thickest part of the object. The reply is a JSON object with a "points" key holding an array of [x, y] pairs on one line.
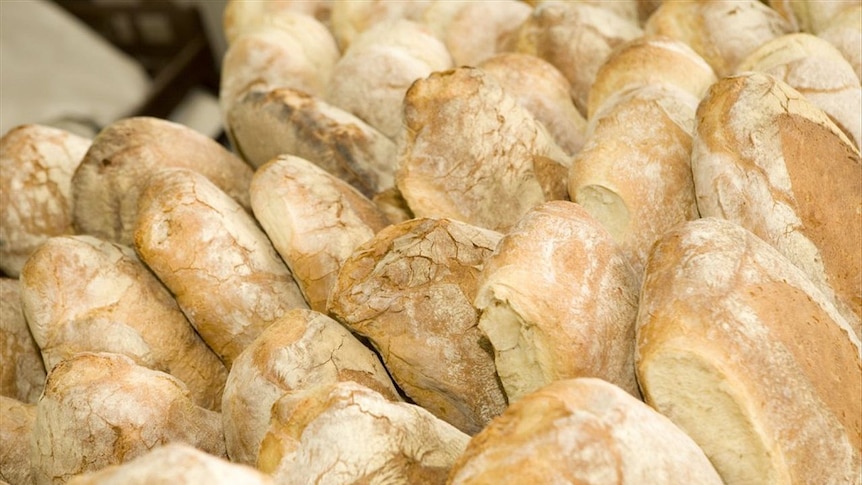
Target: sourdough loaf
{"points": [[22, 372], [16, 426]]}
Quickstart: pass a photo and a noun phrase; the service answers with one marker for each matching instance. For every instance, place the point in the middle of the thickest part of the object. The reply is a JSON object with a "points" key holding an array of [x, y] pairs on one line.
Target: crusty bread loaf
{"points": [[819, 71], [284, 121], [22, 372], [576, 38], [634, 173], [35, 189], [300, 350], [314, 220], [108, 182], [102, 409], [811, 16], [218, 263], [558, 300], [723, 32], [766, 158], [410, 290], [497, 161], [349, 19], [82, 294], [652, 60], [582, 430], [744, 353], [844, 31], [16, 425], [241, 16], [543, 90], [174, 463], [313, 439]]}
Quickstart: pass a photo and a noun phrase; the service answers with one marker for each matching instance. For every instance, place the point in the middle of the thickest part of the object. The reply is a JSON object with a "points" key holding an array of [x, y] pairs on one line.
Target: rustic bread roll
{"points": [[265, 125], [240, 16], [582, 430], [844, 31], [314, 220], [349, 19], [634, 173], [627, 9], [558, 300], [16, 425], [409, 290], [102, 409], [819, 72], [576, 38], [82, 294], [740, 349], [174, 463], [650, 60], [108, 182], [762, 157], [294, 51], [312, 436], [475, 31], [497, 161], [22, 372], [544, 92], [300, 350], [723, 32], [373, 75], [811, 16], [217, 262], [35, 189]]}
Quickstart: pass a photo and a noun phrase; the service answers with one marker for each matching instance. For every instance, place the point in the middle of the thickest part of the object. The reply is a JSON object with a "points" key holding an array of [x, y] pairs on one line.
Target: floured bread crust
{"points": [[35, 189], [16, 426], [558, 300], [844, 31], [634, 173], [175, 462], [314, 220], [241, 16], [82, 294], [283, 121], [766, 158], [744, 353], [409, 290], [313, 438], [349, 19], [102, 409], [300, 350], [214, 258], [108, 182], [582, 430], [22, 372], [497, 161]]}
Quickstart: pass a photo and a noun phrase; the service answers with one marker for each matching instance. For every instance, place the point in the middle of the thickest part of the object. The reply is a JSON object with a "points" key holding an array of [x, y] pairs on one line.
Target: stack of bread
{"points": [[454, 242]]}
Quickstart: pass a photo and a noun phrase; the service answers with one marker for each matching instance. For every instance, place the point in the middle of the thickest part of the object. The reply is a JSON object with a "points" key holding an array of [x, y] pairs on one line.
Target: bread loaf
{"points": [[35, 189], [174, 463], [811, 16], [22, 372], [582, 430], [16, 425], [300, 350], [844, 31], [557, 299], [102, 409], [740, 350], [108, 182], [410, 290], [312, 439], [240, 16], [761, 157], [349, 19], [284, 121], [497, 162], [214, 258], [82, 294]]}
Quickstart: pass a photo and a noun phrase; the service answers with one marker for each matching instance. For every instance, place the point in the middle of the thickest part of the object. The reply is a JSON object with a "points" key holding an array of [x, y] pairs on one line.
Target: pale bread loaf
{"points": [[349, 19], [214, 258], [16, 425], [300, 350], [37, 164], [743, 352], [582, 430], [240, 16], [22, 372], [762, 157], [108, 182], [410, 291], [558, 299], [811, 16], [82, 294], [314, 220], [844, 31]]}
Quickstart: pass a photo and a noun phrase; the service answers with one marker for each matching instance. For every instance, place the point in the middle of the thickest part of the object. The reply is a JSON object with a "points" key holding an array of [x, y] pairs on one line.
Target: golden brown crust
{"points": [[22, 372]]}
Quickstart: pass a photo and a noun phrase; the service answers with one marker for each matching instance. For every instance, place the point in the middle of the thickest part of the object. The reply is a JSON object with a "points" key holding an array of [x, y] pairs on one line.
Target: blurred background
{"points": [[81, 64]]}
